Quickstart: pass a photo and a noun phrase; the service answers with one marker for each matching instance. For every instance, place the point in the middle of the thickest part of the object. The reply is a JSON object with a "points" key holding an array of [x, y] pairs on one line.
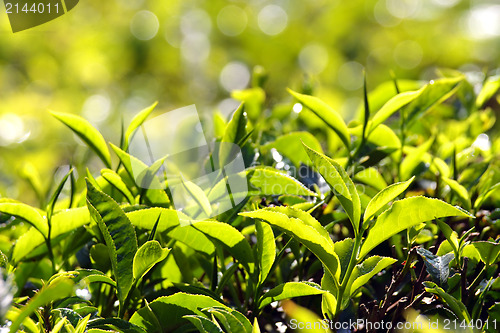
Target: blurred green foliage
{"points": [[106, 60]]}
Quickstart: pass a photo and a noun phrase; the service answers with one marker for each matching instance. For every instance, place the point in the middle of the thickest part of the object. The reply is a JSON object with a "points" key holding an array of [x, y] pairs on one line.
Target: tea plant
{"points": [[352, 221]]}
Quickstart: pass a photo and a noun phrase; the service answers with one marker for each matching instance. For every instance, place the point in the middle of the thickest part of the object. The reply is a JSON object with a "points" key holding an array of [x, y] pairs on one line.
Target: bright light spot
{"points": [[350, 75], [484, 21], [403, 8], [196, 20], [313, 58], [84, 293], [446, 3], [408, 54], [383, 17], [227, 106], [482, 142], [276, 156], [12, 129], [297, 107], [172, 34], [232, 20], [272, 20], [96, 108], [195, 47], [234, 75], [144, 25]]}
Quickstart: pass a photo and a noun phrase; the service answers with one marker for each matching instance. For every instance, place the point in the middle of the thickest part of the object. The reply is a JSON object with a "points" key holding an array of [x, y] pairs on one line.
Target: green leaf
{"points": [[371, 177], [136, 122], [340, 183], [171, 309], [363, 272], [231, 238], [199, 197], [116, 181], [290, 290], [485, 194], [344, 249], [327, 114], [62, 222], [119, 236], [304, 232], [55, 195], [27, 213], [432, 94], [488, 251], [383, 197], [234, 134], [450, 235], [59, 288], [149, 254], [82, 325], [310, 322], [203, 324], [455, 305], [406, 213], [231, 320], [490, 88], [412, 160], [437, 266], [290, 145], [270, 181], [460, 191], [256, 328], [266, 249], [87, 133], [392, 106]]}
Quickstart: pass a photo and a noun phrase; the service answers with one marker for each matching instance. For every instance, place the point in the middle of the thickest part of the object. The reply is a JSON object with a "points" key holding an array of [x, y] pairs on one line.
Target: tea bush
{"points": [[390, 218]]}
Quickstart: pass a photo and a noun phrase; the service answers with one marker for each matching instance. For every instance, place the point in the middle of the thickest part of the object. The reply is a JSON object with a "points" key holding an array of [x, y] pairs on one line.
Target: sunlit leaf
{"points": [[331, 117], [383, 197], [404, 214], [87, 133], [119, 236], [290, 290], [147, 256]]}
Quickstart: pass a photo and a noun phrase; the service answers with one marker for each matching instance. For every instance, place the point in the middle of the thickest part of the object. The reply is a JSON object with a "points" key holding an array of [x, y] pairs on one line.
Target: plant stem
{"points": [[352, 263]]}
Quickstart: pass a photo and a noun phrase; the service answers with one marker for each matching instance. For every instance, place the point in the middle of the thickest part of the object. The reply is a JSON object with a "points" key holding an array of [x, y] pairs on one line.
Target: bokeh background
{"points": [[106, 60]]}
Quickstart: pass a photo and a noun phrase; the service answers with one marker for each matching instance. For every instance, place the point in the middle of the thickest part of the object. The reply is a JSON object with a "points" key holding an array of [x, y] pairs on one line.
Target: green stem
{"points": [[352, 263]]}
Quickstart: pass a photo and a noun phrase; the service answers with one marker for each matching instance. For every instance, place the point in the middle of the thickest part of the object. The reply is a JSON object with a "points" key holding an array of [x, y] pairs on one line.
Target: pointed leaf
{"points": [[404, 214], [459, 190], [87, 133], [412, 160], [147, 256], [231, 238], [27, 213], [136, 122], [340, 183], [363, 272], [266, 249], [331, 117], [203, 324], [290, 290], [321, 246], [59, 288], [383, 197], [437, 266], [116, 181], [233, 135], [392, 106], [455, 305], [488, 251], [119, 235]]}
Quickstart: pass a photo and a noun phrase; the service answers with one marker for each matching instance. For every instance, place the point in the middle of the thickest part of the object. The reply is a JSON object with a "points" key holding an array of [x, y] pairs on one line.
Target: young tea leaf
{"points": [[149, 254], [383, 197], [87, 133], [119, 235], [404, 214], [136, 122], [331, 117], [290, 290]]}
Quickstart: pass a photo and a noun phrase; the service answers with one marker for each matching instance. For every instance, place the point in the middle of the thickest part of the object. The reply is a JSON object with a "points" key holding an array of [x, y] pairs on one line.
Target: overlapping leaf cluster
{"points": [[373, 219]]}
